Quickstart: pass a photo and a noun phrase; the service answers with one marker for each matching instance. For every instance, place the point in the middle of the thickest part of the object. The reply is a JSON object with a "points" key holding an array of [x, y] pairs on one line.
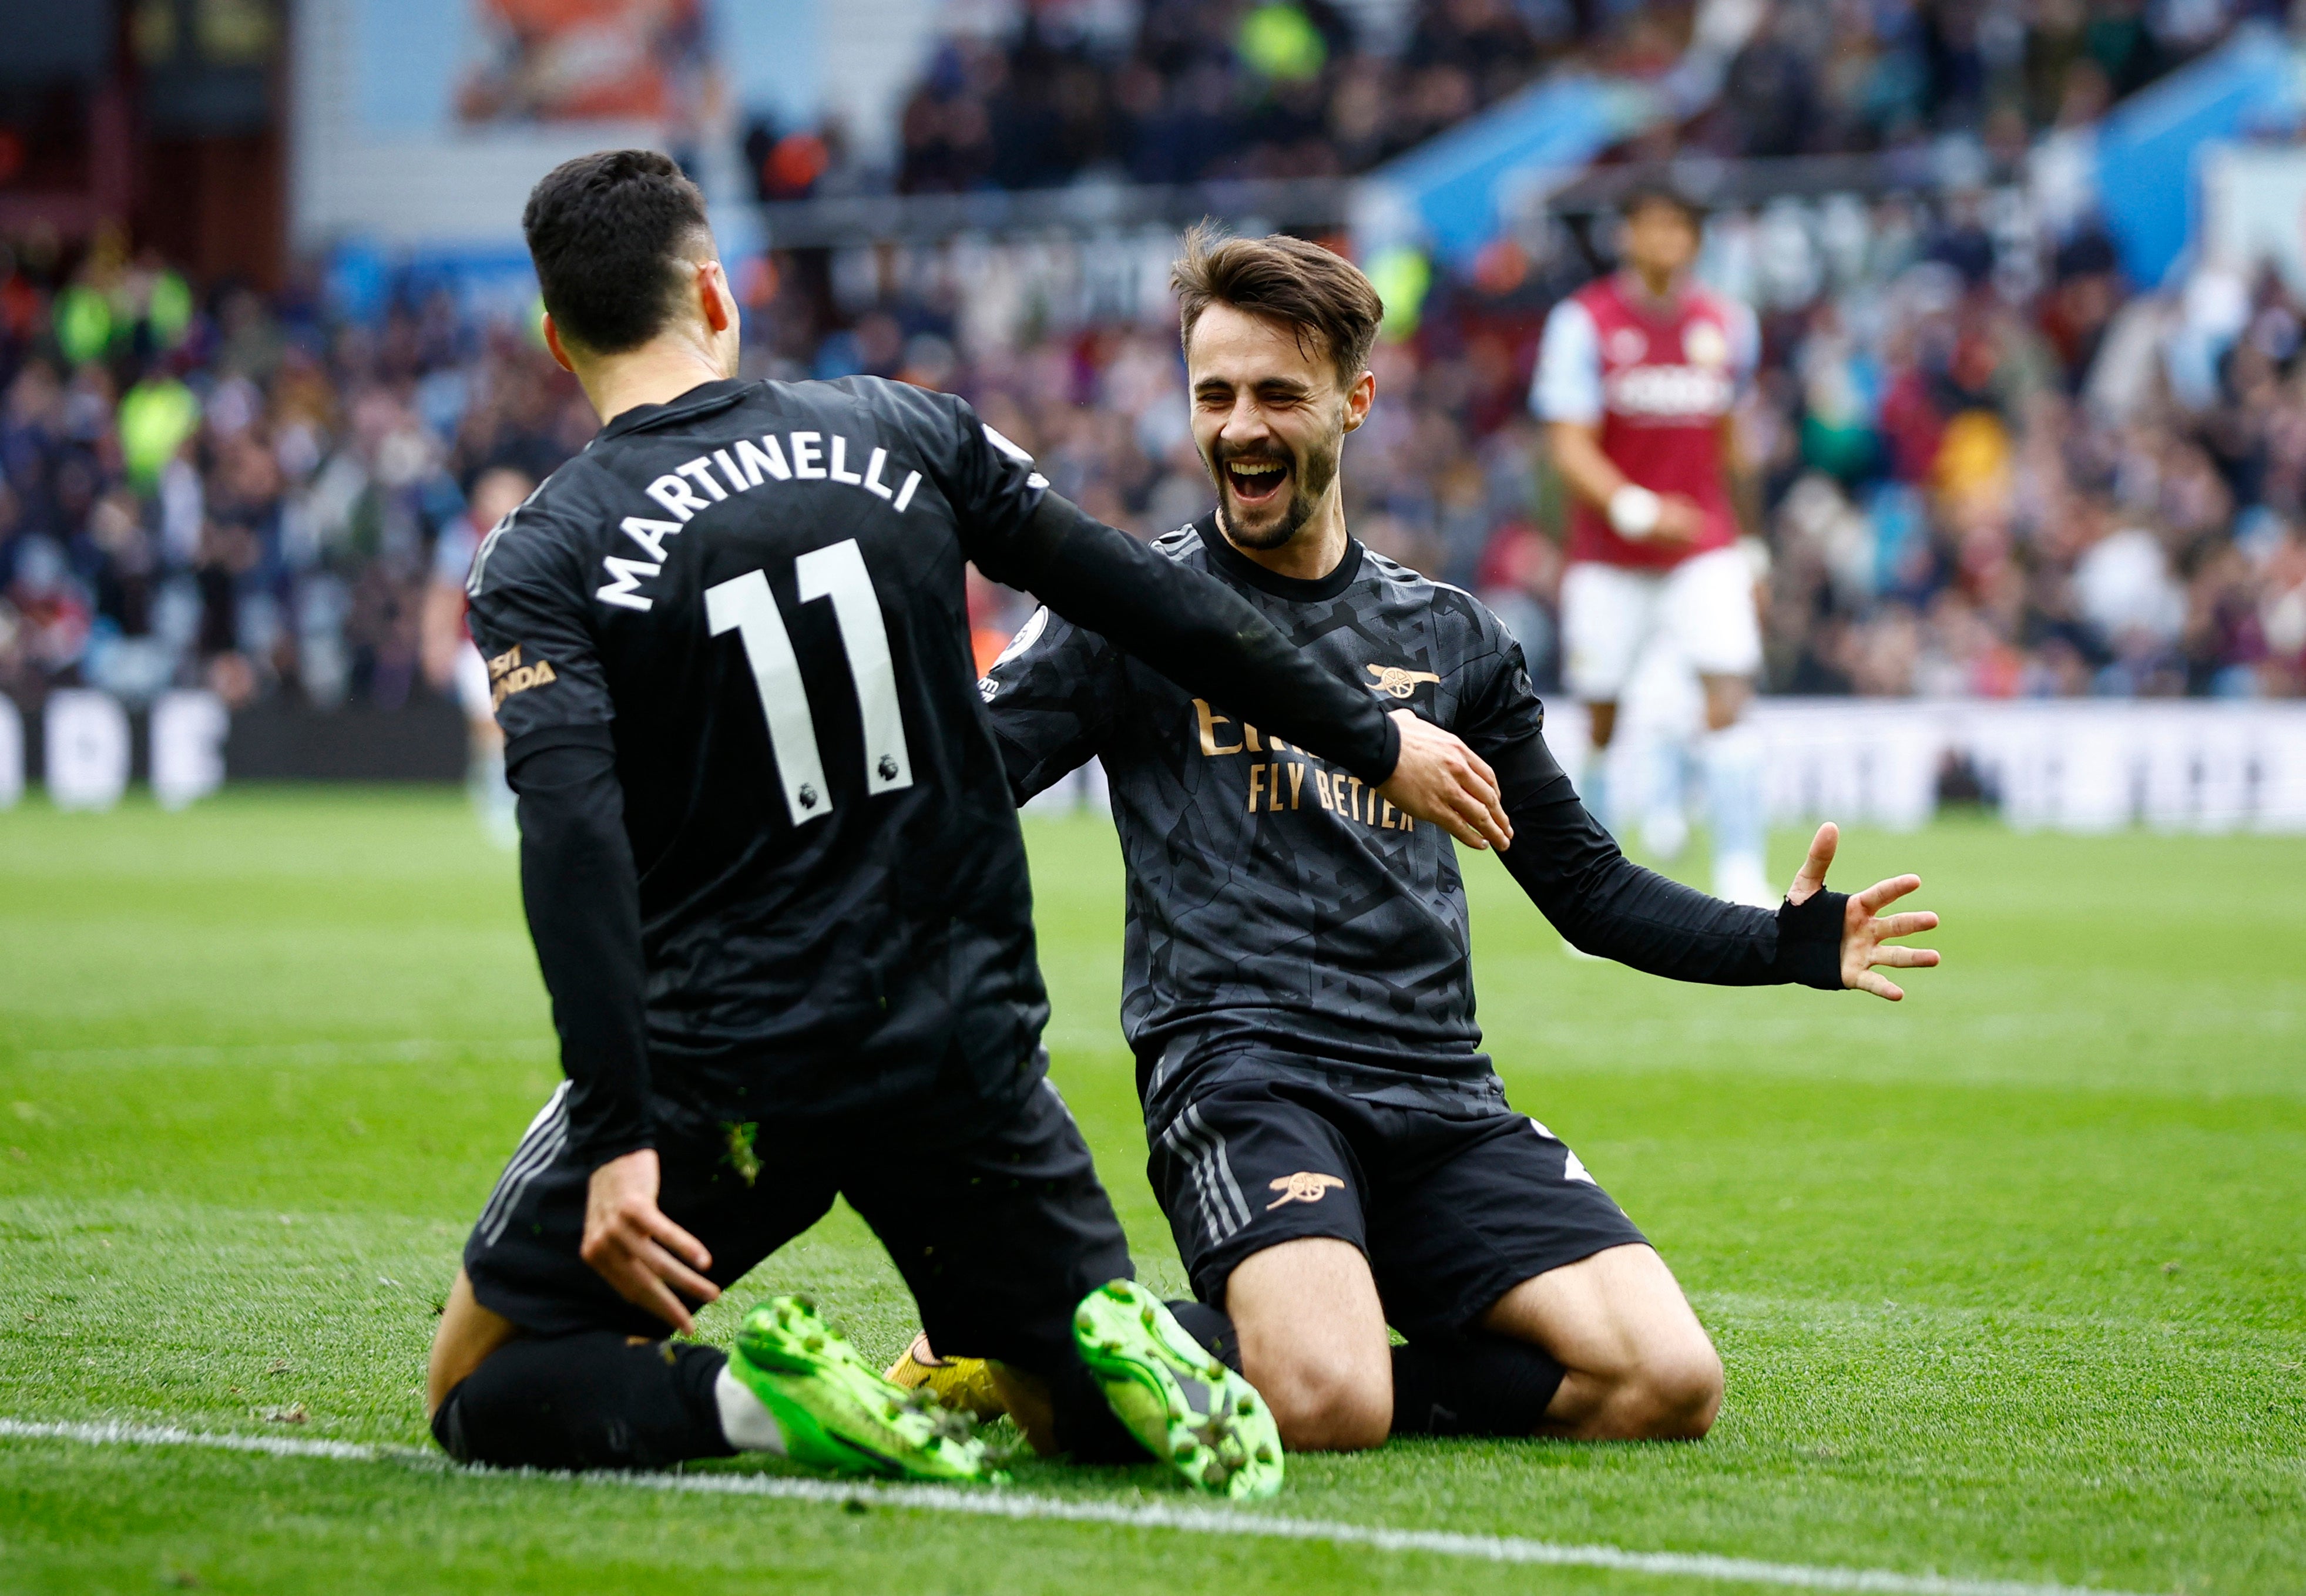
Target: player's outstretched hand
{"points": [[636, 1249], [1442, 780], [1863, 937]]}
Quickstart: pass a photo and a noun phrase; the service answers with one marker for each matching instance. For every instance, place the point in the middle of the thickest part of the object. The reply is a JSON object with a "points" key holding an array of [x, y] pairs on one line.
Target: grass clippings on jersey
{"points": [[2009, 1279]]}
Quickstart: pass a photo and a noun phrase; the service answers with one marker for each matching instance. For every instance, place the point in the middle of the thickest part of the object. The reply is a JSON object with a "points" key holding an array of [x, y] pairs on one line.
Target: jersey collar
{"points": [[1234, 563], [1635, 298], [705, 397]]}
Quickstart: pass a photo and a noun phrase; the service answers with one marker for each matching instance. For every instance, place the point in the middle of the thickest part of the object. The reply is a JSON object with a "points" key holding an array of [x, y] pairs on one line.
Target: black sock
{"points": [[586, 1401], [1471, 1384], [1088, 1432], [1211, 1328]]}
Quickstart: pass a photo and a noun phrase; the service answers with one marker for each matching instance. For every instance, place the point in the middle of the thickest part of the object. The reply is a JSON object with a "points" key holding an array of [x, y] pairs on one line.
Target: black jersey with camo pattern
{"points": [[1274, 900]]}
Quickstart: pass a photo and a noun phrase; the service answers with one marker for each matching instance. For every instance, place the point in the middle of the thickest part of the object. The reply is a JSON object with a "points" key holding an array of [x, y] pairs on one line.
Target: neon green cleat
{"points": [[1185, 1408], [836, 1414]]}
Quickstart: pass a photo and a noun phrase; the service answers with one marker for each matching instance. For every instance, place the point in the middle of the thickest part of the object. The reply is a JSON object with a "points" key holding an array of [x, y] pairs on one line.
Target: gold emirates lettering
{"points": [[1210, 721], [1278, 785]]}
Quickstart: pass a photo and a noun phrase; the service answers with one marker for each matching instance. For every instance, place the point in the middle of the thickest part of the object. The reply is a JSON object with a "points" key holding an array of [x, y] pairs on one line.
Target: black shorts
{"points": [[999, 1237], [1452, 1210]]}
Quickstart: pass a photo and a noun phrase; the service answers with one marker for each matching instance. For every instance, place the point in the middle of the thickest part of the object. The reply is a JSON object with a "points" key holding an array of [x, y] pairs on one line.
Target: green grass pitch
{"points": [[2011, 1280]]}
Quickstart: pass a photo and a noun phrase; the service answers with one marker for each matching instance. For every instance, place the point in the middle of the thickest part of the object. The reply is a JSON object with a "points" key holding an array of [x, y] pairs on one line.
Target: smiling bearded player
{"points": [[1334, 1151]]}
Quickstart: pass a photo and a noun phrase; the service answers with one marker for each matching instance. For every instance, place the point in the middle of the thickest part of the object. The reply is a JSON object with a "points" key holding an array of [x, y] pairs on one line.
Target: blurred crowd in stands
{"points": [[1210, 88], [2074, 489], [1986, 470], [1041, 94], [1988, 466], [236, 492], [1851, 75]]}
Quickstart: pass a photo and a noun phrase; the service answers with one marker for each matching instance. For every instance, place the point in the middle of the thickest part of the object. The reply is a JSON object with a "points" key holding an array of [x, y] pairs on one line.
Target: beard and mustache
{"points": [[1310, 473]]}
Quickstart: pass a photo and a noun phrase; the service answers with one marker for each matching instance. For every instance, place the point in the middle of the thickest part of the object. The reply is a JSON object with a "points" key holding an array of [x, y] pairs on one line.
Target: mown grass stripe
{"points": [[1192, 1520]]}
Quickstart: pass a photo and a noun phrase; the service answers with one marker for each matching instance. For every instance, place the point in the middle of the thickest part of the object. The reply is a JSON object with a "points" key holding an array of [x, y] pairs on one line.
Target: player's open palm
{"points": [[1865, 933]]}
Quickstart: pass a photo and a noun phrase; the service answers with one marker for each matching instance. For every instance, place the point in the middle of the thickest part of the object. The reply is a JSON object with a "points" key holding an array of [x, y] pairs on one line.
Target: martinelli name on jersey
{"points": [[755, 595], [743, 464]]}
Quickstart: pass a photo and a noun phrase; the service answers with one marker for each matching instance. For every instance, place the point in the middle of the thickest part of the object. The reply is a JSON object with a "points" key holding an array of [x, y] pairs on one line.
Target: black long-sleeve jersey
{"points": [[1277, 906], [770, 859]]}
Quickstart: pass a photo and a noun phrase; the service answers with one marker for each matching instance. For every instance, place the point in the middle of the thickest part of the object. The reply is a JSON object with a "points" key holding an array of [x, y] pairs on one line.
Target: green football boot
{"points": [[836, 1414], [1185, 1408]]}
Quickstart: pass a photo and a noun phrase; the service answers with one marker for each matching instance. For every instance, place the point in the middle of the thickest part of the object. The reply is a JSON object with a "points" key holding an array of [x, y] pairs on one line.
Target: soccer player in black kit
{"points": [[1334, 1152], [774, 878]]}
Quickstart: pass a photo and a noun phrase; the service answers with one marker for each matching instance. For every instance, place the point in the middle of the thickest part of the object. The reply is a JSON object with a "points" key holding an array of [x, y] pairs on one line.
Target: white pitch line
{"points": [[985, 1503], [168, 1435]]}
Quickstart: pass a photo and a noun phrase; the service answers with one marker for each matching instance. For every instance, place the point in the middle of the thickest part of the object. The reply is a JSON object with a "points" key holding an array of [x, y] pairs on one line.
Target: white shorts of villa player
{"points": [[1612, 615]]}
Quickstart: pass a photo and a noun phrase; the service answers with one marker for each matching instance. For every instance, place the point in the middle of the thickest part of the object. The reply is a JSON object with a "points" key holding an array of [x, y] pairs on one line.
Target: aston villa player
{"points": [[1636, 380]]}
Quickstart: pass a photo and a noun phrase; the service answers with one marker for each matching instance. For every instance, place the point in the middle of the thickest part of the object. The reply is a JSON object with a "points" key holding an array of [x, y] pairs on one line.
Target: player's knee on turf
{"points": [[1326, 1403], [1673, 1393], [466, 1335]]}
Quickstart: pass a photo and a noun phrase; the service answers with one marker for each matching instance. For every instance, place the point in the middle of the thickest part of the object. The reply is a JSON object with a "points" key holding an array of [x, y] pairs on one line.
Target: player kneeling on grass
{"points": [[1334, 1151], [775, 881]]}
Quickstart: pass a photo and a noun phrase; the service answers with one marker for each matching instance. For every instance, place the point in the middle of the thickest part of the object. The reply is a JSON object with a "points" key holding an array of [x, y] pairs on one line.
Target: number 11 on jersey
{"points": [[745, 606]]}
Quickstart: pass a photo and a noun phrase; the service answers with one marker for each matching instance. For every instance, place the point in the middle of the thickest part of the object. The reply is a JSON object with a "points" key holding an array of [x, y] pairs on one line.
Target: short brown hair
{"points": [[1314, 292]]}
